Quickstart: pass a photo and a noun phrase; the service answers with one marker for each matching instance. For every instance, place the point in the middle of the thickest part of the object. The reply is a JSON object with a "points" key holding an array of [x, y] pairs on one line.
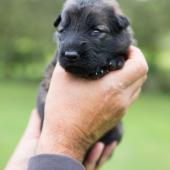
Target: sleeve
{"points": [[54, 162]]}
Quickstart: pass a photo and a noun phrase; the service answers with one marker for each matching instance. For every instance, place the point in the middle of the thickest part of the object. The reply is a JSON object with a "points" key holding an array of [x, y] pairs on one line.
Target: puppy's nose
{"points": [[72, 55]]}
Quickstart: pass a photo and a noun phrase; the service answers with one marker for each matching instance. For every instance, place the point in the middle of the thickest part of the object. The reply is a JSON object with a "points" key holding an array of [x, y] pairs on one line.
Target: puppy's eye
{"points": [[96, 32], [61, 29]]}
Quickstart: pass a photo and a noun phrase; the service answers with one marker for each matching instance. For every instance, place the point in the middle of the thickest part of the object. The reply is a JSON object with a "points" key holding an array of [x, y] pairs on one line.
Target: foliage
{"points": [[150, 20], [26, 33]]}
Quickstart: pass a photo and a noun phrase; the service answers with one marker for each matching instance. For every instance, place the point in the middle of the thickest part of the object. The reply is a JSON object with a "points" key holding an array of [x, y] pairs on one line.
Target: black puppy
{"points": [[93, 39]]}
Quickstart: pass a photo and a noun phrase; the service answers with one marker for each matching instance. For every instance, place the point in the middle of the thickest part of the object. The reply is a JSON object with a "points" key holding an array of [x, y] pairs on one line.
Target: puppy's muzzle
{"points": [[71, 55]]}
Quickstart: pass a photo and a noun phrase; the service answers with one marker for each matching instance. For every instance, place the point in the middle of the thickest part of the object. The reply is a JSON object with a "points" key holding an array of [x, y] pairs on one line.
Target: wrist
{"points": [[62, 143]]}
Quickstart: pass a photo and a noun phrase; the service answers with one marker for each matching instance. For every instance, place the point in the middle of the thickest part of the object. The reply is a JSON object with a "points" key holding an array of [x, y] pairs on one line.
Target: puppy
{"points": [[93, 39]]}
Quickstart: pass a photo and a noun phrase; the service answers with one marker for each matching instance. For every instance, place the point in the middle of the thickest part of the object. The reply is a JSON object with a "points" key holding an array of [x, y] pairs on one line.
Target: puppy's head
{"points": [[90, 35]]}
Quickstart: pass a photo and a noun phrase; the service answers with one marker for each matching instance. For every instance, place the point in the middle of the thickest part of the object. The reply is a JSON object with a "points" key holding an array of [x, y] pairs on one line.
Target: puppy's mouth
{"points": [[83, 72], [75, 69], [83, 69]]}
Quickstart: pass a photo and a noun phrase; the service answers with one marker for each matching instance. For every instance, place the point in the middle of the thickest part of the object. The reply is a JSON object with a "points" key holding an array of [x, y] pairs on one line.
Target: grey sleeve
{"points": [[53, 162]]}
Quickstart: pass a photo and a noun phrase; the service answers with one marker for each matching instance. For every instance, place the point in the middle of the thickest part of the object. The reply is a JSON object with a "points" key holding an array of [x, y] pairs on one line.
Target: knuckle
{"points": [[116, 89], [118, 85], [143, 65], [112, 88], [116, 94], [143, 68]]}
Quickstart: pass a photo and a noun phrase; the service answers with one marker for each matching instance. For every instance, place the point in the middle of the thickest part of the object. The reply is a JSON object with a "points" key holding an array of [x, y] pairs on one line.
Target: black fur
{"points": [[99, 36], [93, 39]]}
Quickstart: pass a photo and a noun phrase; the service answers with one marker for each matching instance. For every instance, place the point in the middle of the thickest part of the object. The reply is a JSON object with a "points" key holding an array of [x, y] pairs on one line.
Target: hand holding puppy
{"points": [[83, 110]]}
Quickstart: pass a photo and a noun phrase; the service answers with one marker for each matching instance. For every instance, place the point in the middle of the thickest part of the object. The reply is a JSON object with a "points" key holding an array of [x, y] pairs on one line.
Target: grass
{"points": [[147, 128], [16, 101]]}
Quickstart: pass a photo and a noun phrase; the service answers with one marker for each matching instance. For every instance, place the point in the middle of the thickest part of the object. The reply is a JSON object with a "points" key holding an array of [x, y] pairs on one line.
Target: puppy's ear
{"points": [[121, 22], [57, 21]]}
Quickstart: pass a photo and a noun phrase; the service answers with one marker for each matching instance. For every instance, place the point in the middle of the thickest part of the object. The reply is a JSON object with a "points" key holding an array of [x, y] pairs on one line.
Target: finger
{"points": [[93, 157], [134, 97], [133, 90], [106, 153], [137, 85], [135, 67]]}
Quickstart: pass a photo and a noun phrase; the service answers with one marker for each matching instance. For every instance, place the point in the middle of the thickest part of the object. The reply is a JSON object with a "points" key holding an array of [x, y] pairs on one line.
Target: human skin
{"points": [[84, 110]]}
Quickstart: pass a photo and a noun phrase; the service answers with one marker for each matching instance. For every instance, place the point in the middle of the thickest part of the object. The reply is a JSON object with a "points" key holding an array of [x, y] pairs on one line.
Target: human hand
{"points": [[99, 155], [74, 104]]}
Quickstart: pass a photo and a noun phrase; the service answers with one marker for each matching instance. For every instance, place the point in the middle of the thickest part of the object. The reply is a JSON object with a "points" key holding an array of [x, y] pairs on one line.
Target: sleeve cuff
{"points": [[54, 162]]}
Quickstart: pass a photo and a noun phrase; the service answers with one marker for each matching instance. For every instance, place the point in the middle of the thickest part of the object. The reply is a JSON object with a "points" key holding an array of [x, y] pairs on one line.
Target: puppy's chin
{"points": [[75, 70], [73, 67], [83, 72], [79, 69]]}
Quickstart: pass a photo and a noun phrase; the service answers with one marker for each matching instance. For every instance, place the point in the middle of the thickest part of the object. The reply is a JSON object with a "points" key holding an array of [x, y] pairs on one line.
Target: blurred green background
{"points": [[26, 46]]}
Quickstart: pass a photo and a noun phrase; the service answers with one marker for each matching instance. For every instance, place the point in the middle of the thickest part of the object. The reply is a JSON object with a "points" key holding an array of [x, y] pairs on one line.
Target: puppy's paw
{"points": [[98, 73], [116, 63]]}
